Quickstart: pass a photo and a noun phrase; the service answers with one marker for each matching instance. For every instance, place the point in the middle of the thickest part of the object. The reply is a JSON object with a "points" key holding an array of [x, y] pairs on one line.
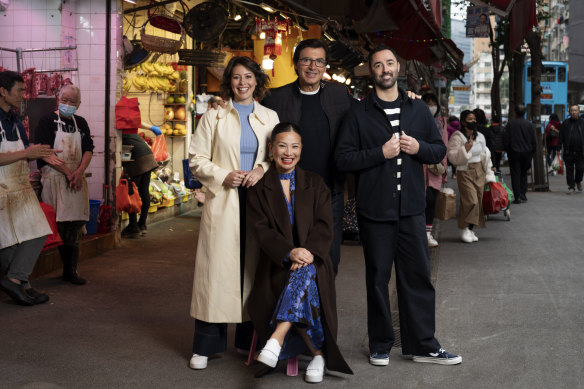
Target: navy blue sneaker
{"points": [[441, 357], [379, 359]]}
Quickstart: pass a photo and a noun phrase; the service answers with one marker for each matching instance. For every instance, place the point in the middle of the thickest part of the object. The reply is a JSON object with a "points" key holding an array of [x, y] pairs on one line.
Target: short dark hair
{"points": [[284, 127], [554, 117], [495, 119], [480, 116], [8, 78], [520, 109], [377, 49], [261, 77], [429, 96], [310, 44], [464, 114]]}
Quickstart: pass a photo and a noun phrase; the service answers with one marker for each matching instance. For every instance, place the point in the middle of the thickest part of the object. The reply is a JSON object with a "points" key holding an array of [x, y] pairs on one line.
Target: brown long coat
{"points": [[268, 218]]}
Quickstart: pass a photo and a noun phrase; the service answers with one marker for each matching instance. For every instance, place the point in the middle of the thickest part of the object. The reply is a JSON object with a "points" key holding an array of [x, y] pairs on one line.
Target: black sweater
{"points": [[359, 149]]}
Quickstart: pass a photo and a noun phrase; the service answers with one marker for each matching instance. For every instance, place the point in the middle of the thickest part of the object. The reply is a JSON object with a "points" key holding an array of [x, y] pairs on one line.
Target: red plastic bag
{"points": [[135, 200], [54, 239], [128, 114], [159, 148], [123, 196], [495, 197], [105, 219]]}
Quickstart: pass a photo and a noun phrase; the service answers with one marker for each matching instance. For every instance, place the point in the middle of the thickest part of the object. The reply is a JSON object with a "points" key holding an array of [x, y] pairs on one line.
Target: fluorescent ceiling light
{"points": [[267, 8], [130, 1], [237, 17]]}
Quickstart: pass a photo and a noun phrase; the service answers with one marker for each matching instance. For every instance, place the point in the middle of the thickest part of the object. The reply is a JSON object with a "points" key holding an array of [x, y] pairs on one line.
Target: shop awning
{"points": [[413, 32], [405, 25]]}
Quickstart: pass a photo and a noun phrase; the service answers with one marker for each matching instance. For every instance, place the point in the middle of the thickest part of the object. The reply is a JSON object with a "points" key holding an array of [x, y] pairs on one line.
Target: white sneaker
{"points": [[466, 235], [270, 353], [315, 370], [474, 237], [198, 362], [431, 241]]}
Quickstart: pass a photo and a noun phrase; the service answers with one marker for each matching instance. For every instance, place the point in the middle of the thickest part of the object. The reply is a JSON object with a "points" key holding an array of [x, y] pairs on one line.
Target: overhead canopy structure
{"points": [[522, 16], [405, 25]]}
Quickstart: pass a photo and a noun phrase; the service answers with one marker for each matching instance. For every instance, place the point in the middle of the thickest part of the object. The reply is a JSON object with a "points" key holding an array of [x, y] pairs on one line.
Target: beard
{"points": [[383, 84]]}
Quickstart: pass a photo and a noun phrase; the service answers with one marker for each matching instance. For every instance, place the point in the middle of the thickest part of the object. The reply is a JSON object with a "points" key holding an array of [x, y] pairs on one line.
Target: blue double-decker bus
{"points": [[554, 95]]}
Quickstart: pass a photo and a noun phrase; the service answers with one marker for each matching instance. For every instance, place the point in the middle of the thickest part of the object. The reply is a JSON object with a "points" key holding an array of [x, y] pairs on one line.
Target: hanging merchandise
{"points": [[128, 114], [159, 148], [274, 31], [123, 196], [135, 200], [160, 44]]}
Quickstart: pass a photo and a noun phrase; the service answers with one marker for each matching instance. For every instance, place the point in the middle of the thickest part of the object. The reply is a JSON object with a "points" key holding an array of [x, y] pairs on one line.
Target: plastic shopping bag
{"points": [[159, 148], [558, 164]]}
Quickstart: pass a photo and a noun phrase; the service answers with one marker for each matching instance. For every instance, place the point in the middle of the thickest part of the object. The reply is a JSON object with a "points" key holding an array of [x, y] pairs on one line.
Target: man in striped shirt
{"points": [[385, 139]]}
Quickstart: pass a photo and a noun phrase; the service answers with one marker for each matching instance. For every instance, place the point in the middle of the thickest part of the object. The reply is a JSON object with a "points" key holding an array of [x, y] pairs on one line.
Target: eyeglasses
{"points": [[319, 62]]}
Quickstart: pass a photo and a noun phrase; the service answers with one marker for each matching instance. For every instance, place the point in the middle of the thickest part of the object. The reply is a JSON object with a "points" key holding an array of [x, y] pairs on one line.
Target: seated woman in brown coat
{"points": [[293, 304]]}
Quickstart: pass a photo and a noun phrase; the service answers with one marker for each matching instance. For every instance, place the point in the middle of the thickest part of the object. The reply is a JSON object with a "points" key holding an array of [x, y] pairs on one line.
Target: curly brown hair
{"points": [[261, 77]]}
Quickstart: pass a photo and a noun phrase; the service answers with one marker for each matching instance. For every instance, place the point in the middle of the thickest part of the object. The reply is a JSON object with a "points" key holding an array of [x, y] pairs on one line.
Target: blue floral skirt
{"points": [[299, 304]]}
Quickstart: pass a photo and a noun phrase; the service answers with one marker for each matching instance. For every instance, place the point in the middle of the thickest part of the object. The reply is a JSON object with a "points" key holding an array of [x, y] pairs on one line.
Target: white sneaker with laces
{"points": [[315, 370], [198, 362], [270, 353], [431, 241], [466, 235]]}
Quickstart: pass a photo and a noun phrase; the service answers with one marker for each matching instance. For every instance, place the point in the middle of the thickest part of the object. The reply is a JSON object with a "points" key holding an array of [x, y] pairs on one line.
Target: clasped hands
{"points": [[300, 257], [242, 178], [405, 143]]}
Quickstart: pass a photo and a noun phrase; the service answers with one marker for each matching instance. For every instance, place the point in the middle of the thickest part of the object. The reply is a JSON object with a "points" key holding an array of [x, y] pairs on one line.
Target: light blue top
{"points": [[249, 142]]}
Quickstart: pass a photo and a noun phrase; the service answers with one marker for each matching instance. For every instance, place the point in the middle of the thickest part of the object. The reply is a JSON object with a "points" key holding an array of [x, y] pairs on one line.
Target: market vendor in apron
{"points": [[64, 185], [23, 225]]}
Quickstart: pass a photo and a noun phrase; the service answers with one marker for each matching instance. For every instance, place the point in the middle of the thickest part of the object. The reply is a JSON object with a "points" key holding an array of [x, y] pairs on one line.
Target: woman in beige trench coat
{"points": [[228, 154]]}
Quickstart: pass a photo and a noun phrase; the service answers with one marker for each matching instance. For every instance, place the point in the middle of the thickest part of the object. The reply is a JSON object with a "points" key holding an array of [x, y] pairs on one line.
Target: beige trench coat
{"points": [[214, 152]]}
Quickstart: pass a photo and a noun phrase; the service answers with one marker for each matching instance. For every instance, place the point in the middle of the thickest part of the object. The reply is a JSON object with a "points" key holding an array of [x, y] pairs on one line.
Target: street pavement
{"points": [[510, 304]]}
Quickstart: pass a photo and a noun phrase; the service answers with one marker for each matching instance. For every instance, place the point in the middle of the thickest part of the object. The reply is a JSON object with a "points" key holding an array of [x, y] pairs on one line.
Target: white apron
{"points": [[69, 205], [21, 216]]}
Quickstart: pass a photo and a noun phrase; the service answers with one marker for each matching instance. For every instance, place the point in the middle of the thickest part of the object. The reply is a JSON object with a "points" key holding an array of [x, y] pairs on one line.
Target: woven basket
{"points": [[160, 44]]}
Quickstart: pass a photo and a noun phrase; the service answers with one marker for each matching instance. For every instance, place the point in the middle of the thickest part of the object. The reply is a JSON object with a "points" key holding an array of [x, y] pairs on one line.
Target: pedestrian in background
{"points": [[385, 139], [467, 149], [436, 174], [453, 126], [23, 225], [572, 142], [228, 154], [551, 138], [64, 185], [520, 144], [497, 147]]}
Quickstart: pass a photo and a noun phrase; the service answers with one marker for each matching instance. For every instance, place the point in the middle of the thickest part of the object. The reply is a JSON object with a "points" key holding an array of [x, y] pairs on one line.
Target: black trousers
{"points": [[574, 168], [404, 244], [337, 203], [431, 197], [519, 165], [211, 338]]}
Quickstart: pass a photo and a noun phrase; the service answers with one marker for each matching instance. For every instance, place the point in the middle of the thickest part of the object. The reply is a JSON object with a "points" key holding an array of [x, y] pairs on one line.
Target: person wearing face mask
{"points": [[467, 149], [436, 174], [64, 185]]}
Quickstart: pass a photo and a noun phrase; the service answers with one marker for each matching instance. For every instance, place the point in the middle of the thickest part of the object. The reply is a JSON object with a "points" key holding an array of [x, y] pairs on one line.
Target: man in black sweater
{"points": [[385, 139], [520, 146], [572, 141], [317, 107]]}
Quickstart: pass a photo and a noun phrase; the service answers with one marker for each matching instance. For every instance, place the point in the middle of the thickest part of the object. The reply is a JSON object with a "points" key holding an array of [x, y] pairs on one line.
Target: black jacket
{"points": [[359, 149], [335, 100], [520, 136], [567, 127]]}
